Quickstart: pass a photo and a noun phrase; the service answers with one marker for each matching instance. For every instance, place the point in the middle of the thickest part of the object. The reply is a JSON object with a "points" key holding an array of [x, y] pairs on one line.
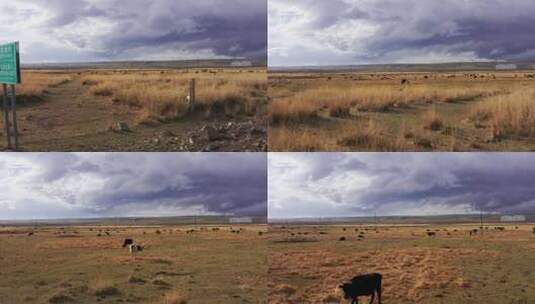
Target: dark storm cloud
{"points": [[69, 30], [406, 183], [386, 31], [122, 184]]}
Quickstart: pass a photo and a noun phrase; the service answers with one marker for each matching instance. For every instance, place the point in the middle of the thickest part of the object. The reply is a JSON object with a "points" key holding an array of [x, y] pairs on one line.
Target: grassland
{"points": [[142, 110], [83, 264], [404, 111], [308, 262], [161, 95]]}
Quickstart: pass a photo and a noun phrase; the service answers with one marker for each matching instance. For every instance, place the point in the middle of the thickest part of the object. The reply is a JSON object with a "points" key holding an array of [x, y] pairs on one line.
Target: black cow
{"points": [[363, 285], [128, 242]]}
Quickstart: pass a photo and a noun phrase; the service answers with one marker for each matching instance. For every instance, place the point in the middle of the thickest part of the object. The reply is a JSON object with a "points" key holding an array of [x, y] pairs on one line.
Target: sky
{"points": [[346, 32], [302, 185], [104, 30], [88, 185]]}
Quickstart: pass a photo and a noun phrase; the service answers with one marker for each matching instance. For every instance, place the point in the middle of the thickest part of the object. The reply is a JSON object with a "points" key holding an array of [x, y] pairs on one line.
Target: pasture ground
{"points": [[80, 110], [402, 111], [308, 262], [74, 265]]}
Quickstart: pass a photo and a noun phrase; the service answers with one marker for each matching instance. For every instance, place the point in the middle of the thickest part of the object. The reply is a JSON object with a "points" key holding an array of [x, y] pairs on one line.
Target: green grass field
{"points": [[75, 265]]}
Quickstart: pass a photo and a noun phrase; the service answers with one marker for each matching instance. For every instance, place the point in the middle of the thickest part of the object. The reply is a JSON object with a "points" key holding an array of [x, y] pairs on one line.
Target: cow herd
{"points": [[370, 284]]}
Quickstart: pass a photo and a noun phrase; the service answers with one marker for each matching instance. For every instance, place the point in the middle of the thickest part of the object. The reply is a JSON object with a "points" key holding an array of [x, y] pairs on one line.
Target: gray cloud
{"points": [[53, 185], [387, 31], [89, 30], [302, 185]]}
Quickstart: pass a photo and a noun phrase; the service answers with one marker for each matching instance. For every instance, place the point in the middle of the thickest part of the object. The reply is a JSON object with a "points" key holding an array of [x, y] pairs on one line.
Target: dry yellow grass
{"points": [[412, 111], [416, 268], [432, 121], [36, 83], [339, 99], [508, 115], [175, 297], [162, 94], [367, 137]]}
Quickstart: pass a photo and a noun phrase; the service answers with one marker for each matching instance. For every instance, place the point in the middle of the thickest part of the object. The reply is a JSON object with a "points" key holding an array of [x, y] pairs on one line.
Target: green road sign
{"points": [[9, 63]]}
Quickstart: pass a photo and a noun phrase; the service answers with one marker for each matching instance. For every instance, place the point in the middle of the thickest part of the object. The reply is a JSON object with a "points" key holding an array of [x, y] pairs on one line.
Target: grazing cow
{"points": [[133, 248], [430, 233], [473, 232], [363, 285], [128, 242], [30, 233]]}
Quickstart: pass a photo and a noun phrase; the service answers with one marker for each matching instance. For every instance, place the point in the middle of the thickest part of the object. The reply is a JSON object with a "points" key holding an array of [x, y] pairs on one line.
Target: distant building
{"points": [[506, 66], [513, 218], [240, 220], [244, 63]]}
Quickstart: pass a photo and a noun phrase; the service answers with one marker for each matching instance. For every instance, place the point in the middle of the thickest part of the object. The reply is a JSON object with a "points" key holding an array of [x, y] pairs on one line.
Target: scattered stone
{"points": [[107, 292], [122, 127], [211, 133], [424, 143], [60, 298], [135, 280]]}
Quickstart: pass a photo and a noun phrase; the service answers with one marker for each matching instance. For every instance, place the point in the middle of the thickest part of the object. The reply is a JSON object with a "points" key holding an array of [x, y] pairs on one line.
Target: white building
{"points": [[240, 220], [513, 218], [243, 63], [506, 66]]}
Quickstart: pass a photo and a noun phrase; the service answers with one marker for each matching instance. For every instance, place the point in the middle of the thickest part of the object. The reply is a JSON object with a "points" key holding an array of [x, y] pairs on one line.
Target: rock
{"points": [[122, 127], [211, 147], [258, 131], [354, 112], [212, 134], [167, 133], [424, 143]]}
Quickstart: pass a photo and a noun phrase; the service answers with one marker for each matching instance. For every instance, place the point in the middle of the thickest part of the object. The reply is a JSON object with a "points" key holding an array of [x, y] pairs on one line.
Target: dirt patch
{"points": [[408, 274], [60, 298], [127, 259], [78, 243], [107, 292]]}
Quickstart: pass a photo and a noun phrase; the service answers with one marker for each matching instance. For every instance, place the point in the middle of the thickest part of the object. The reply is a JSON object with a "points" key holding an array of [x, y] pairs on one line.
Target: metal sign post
{"points": [[6, 116], [14, 113], [10, 75]]}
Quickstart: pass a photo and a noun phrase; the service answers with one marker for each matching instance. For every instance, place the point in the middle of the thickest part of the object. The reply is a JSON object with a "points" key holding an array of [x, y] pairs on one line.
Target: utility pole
{"points": [[481, 220]]}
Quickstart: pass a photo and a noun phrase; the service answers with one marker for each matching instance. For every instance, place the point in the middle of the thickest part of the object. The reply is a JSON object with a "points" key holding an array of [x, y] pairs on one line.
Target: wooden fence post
{"points": [[192, 94]]}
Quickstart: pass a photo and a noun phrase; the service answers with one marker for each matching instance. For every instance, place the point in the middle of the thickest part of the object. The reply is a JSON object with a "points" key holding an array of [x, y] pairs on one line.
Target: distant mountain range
{"points": [[438, 219], [434, 67], [172, 64], [134, 221]]}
